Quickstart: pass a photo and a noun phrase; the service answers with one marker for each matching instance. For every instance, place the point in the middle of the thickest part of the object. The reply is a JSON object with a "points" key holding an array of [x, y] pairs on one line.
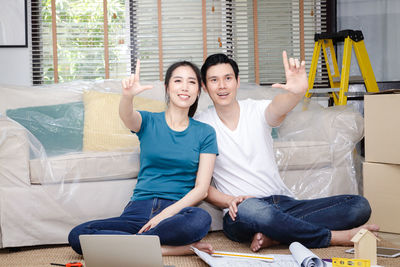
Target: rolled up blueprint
{"points": [[305, 257]]}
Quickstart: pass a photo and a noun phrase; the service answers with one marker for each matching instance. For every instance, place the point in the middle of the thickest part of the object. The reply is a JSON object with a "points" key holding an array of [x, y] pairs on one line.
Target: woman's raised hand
{"points": [[131, 86]]}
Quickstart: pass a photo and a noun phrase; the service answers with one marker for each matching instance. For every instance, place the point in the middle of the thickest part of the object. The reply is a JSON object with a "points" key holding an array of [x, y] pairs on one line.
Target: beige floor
{"points": [[43, 255]]}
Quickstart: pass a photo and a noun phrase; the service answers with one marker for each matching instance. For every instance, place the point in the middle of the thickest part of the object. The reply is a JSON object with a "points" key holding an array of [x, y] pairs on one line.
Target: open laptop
{"points": [[121, 250]]}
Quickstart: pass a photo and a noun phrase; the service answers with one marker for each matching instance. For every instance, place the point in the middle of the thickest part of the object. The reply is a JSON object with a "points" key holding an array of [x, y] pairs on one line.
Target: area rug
{"points": [[40, 256]]}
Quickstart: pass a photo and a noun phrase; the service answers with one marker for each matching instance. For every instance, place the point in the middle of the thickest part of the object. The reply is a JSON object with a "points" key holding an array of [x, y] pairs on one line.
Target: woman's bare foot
{"points": [[343, 238], [186, 250], [261, 241]]}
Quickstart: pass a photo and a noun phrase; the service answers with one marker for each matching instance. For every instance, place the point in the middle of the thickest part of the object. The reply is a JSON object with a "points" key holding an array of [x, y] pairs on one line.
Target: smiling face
{"points": [[221, 84], [183, 87]]}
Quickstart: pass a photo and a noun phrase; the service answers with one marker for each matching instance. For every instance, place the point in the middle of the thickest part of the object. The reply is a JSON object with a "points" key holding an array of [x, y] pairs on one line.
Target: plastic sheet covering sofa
{"points": [[66, 158]]}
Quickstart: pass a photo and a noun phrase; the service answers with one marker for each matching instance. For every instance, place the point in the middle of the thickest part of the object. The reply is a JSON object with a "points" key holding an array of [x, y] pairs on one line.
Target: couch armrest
{"points": [[14, 154], [335, 125], [331, 135]]}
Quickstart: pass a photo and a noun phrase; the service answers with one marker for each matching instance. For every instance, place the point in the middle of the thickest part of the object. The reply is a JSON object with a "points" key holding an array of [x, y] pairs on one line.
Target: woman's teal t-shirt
{"points": [[168, 159]]}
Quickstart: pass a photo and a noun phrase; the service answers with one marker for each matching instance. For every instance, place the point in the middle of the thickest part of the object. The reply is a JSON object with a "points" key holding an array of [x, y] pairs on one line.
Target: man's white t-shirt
{"points": [[246, 163]]}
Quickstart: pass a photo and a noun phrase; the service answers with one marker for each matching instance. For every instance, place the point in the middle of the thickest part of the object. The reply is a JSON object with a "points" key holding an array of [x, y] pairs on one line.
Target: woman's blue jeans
{"points": [[190, 225], [286, 220]]}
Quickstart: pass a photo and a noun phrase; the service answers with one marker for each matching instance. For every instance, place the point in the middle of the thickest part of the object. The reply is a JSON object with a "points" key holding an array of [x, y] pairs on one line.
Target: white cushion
{"points": [[21, 96], [300, 155], [324, 182], [14, 154], [45, 214], [215, 213], [84, 167]]}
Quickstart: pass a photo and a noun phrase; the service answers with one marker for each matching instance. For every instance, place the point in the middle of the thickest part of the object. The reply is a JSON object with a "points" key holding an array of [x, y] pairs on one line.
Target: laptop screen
{"points": [[121, 250]]}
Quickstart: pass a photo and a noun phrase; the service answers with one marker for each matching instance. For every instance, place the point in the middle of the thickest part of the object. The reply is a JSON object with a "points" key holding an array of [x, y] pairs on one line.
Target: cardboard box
{"points": [[382, 128], [382, 189]]}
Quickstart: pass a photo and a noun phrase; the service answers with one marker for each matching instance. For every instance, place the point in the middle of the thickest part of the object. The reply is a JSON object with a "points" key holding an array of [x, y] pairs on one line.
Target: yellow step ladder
{"points": [[339, 83]]}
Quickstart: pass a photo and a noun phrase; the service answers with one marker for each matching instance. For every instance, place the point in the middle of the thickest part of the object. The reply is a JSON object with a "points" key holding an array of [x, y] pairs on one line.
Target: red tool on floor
{"points": [[71, 264]]}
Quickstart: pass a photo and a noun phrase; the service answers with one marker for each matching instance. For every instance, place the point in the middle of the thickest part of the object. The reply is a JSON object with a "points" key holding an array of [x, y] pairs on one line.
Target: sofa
{"points": [[66, 158]]}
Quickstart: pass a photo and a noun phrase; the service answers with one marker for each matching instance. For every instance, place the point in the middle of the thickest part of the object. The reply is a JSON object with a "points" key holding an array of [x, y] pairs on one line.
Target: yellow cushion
{"points": [[103, 129]]}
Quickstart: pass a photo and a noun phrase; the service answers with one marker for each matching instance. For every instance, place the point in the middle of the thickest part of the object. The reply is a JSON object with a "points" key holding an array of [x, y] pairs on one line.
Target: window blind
{"points": [[315, 21], [243, 39], [80, 40], [134, 32], [182, 33], [279, 29]]}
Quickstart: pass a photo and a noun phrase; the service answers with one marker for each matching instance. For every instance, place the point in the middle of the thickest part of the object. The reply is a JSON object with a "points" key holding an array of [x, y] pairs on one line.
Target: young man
{"points": [[260, 208]]}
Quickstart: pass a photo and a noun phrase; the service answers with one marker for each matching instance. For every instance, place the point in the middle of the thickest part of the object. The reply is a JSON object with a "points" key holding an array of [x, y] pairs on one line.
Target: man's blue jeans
{"points": [[186, 227], [286, 220]]}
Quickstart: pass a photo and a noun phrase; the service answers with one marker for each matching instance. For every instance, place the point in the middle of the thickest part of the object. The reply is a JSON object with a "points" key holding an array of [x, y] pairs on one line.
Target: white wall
{"points": [[379, 21], [15, 66]]}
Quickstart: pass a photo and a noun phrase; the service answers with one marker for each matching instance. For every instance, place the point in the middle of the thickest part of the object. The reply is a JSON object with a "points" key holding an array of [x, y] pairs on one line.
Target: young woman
{"points": [[177, 155]]}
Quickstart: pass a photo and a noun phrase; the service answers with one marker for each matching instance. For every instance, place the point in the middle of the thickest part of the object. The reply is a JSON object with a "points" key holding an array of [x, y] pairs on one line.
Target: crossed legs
{"points": [[176, 233], [314, 223]]}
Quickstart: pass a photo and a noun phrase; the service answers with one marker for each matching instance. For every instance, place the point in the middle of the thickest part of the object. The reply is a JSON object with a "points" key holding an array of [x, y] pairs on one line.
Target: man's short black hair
{"points": [[216, 59]]}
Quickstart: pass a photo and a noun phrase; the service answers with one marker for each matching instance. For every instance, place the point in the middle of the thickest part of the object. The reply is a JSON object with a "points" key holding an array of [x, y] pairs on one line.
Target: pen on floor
{"points": [[71, 264]]}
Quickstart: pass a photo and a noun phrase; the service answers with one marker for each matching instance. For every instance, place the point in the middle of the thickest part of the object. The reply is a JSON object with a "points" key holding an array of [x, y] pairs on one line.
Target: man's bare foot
{"points": [[186, 250], [343, 238], [261, 241]]}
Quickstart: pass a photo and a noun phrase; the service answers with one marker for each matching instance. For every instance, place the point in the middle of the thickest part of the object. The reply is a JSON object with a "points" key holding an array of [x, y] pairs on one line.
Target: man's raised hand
{"points": [[131, 86], [296, 76]]}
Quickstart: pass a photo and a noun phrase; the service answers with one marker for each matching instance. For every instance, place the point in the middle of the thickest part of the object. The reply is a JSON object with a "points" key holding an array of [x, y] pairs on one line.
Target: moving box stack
{"points": [[382, 158]]}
